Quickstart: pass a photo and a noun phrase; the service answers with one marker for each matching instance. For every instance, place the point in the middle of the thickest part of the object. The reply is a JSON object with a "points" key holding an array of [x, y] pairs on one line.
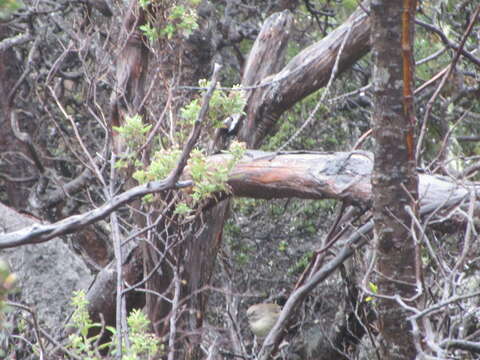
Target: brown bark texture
{"points": [[131, 68], [264, 175], [176, 257], [307, 72], [266, 57], [394, 180]]}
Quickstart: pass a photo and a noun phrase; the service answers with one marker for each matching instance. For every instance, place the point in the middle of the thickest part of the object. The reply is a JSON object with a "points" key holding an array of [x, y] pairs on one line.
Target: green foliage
{"points": [[220, 107], [183, 209], [239, 248], [143, 345], [149, 31], [208, 177], [237, 151], [7, 285], [144, 3], [134, 132], [181, 19], [185, 19], [162, 163], [80, 318], [283, 246], [276, 209], [374, 289], [350, 5], [79, 342], [190, 112], [245, 206], [293, 119], [308, 222], [8, 6], [301, 264], [426, 45], [232, 229]]}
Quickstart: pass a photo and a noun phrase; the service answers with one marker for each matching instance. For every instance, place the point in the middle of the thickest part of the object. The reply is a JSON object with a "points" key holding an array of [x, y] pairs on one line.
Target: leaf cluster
{"points": [[143, 345], [209, 178], [7, 285], [181, 19], [220, 107]]}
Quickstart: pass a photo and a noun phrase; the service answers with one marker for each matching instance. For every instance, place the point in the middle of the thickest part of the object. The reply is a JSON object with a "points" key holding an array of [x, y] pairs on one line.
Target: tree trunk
{"points": [[307, 72], [394, 181], [131, 69], [266, 57]]}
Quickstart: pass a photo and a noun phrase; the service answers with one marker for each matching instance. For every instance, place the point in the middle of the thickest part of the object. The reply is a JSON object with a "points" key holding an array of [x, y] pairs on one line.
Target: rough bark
{"points": [[320, 60], [263, 175], [307, 72], [318, 175], [266, 57], [132, 63], [394, 180]]}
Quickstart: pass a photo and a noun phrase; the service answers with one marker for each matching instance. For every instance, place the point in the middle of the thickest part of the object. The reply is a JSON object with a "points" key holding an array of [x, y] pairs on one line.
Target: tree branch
{"points": [[40, 233], [307, 175]]}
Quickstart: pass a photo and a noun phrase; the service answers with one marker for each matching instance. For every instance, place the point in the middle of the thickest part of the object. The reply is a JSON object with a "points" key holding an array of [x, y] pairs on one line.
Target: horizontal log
{"points": [[309, 175], [324, 175]]}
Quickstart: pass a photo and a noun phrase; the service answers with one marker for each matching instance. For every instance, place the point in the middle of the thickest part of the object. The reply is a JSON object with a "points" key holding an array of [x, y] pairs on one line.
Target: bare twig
{"points": [[453, 64], [27, 140], [93, 165], [25, 72], [117, 246], [175, 174], [40, 233], [175, 313], [15, 40], [325, 93], [448, 42], [354, 242], [35, 325]]}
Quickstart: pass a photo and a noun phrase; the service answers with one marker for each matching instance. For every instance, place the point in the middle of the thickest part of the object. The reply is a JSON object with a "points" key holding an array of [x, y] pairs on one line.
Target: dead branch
{"points": [[307, 175]]}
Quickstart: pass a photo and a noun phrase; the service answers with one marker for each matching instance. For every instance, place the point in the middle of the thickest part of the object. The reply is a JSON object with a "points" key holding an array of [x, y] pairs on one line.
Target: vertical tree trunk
{"points": [[184, 257], [266, 57], [131, 70], [394, 180]]}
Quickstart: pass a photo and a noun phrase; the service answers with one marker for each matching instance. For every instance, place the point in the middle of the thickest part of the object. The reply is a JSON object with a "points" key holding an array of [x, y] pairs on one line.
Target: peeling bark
{"points": [[307, 72], [342, 176]]}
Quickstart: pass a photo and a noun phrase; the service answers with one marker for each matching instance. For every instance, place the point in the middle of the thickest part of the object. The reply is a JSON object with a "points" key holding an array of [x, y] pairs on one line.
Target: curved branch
{"points": [[355, 241], [19, 39], [40, 233], [308, 175], [448, 42], [307, 72]]}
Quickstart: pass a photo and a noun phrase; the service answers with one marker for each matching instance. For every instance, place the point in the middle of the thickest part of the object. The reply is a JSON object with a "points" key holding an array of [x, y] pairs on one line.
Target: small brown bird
{"points": [[262, 318]]}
